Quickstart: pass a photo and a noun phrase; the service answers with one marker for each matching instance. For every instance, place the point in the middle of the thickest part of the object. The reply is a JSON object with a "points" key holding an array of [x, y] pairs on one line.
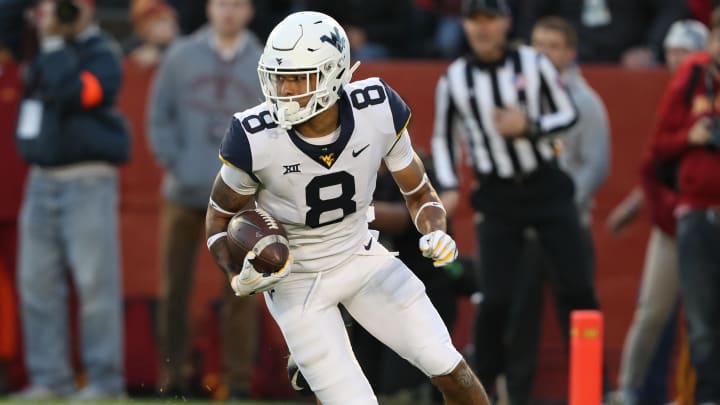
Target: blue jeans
{"points": [[70, 226], [698, 238], [654, 389]]}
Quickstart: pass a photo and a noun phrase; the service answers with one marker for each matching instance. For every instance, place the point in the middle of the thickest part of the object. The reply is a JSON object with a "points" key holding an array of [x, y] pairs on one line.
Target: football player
{"points": [[309, 156]]}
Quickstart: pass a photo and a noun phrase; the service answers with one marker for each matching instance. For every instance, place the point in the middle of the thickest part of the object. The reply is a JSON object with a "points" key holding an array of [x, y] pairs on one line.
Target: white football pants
{"points": [[381, 294]]}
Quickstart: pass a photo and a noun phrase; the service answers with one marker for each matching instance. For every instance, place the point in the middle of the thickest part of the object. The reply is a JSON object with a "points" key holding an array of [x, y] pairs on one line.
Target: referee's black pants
{"points": [[524, 330], [543, 201]]}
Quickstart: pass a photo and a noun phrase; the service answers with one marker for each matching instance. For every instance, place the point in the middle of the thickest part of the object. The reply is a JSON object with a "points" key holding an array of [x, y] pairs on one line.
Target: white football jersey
{"points": [[321, 194]]}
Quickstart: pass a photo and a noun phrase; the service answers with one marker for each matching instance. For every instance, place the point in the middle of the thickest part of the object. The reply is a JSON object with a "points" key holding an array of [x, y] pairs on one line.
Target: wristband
{"points": [[427, 204], [212, 239]]}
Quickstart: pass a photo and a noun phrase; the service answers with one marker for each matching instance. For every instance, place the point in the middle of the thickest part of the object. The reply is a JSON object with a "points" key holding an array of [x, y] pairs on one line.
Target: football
{"points": [[258, 231]]}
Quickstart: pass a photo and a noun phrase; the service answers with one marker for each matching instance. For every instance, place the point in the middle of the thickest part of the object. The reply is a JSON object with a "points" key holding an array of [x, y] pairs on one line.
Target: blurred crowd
{"points": [[60, 200], [613, 31]]}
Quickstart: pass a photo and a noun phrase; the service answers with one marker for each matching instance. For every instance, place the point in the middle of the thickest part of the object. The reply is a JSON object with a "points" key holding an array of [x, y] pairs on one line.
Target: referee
{"points": [[508, 105]]}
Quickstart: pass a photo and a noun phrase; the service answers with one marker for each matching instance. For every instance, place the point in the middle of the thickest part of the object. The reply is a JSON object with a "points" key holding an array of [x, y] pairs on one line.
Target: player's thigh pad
{"points": [[315, 333], [394, 307]]}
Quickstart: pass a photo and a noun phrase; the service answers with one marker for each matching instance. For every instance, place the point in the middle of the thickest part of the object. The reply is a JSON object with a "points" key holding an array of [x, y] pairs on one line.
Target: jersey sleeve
{"points": [[238, 180], [400, 111], [443, 142], [235, 149], [401, 153], [563, 113]]}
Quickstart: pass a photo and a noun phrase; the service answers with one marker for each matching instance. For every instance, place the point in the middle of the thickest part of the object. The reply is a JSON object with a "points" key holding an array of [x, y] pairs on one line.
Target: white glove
{"points": [[440, 247], [249, 281]]}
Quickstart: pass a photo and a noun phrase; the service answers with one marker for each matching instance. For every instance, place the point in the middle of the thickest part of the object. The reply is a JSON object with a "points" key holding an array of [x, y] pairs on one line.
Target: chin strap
{"points": [[285, 109], [354, 67]]}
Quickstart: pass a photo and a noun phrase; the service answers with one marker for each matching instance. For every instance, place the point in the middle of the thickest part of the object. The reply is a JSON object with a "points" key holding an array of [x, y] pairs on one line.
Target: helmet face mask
{"points": [[294, 108], [309, 47]]}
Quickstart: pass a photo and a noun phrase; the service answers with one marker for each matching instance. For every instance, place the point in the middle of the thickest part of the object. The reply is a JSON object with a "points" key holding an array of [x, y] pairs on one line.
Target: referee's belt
{"points": [[518, 178]]}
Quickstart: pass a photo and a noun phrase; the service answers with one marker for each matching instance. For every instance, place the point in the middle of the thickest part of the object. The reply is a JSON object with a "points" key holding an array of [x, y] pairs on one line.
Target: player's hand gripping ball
{"points": [[259, 242]]}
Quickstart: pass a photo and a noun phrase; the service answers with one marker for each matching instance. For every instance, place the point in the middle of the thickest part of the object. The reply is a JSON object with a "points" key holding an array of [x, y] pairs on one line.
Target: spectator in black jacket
{"points": [[71, 135], [611, 31]]}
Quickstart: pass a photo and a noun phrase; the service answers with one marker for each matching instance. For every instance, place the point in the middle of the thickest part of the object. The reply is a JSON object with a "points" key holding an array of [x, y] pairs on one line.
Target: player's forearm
{"points": [[215, 230], [223, 204], [427, 210], [425, 207]]}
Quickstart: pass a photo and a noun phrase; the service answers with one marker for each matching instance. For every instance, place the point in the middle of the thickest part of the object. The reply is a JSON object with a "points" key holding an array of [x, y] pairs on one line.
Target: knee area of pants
{"points": [[652, 321], [330, 374], [35, 290], [343, 389], [700, 329], [702, 347], [438, 361], [494, 306]]}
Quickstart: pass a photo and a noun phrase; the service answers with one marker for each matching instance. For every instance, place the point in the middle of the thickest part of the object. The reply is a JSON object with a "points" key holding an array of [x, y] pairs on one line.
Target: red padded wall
{"points": [[631, 97]]}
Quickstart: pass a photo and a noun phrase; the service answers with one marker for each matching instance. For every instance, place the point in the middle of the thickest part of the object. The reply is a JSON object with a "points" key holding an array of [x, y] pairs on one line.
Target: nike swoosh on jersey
{"points": [[367, 247], [356, 154]]}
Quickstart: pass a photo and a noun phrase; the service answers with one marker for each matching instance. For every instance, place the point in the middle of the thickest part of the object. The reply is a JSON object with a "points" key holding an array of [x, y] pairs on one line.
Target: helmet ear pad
{"points": [[305, 43]]}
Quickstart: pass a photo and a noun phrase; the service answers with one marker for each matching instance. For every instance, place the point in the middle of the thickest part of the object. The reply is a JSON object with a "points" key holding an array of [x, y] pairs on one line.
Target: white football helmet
{"points": [[311, 45]]}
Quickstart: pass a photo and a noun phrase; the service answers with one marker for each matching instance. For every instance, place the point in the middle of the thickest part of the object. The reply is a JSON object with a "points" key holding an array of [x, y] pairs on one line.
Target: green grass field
{"points": [[141, 401]]}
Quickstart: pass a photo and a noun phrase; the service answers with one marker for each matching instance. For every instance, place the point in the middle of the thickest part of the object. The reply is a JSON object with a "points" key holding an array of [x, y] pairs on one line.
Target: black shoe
{"points": [[297, 380]]}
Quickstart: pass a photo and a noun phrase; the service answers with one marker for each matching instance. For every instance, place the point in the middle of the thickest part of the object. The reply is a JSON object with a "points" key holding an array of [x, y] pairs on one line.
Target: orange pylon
{"points": [[586, 357]]}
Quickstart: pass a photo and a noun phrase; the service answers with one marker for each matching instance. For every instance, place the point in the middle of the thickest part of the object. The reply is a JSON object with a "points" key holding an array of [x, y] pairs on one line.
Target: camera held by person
{"points": [[711, 139], [706, 132], [66, 11]]}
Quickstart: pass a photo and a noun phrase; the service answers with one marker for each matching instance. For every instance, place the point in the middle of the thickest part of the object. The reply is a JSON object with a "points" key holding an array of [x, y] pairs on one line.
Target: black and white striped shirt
{"points": [[466, 98]]}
